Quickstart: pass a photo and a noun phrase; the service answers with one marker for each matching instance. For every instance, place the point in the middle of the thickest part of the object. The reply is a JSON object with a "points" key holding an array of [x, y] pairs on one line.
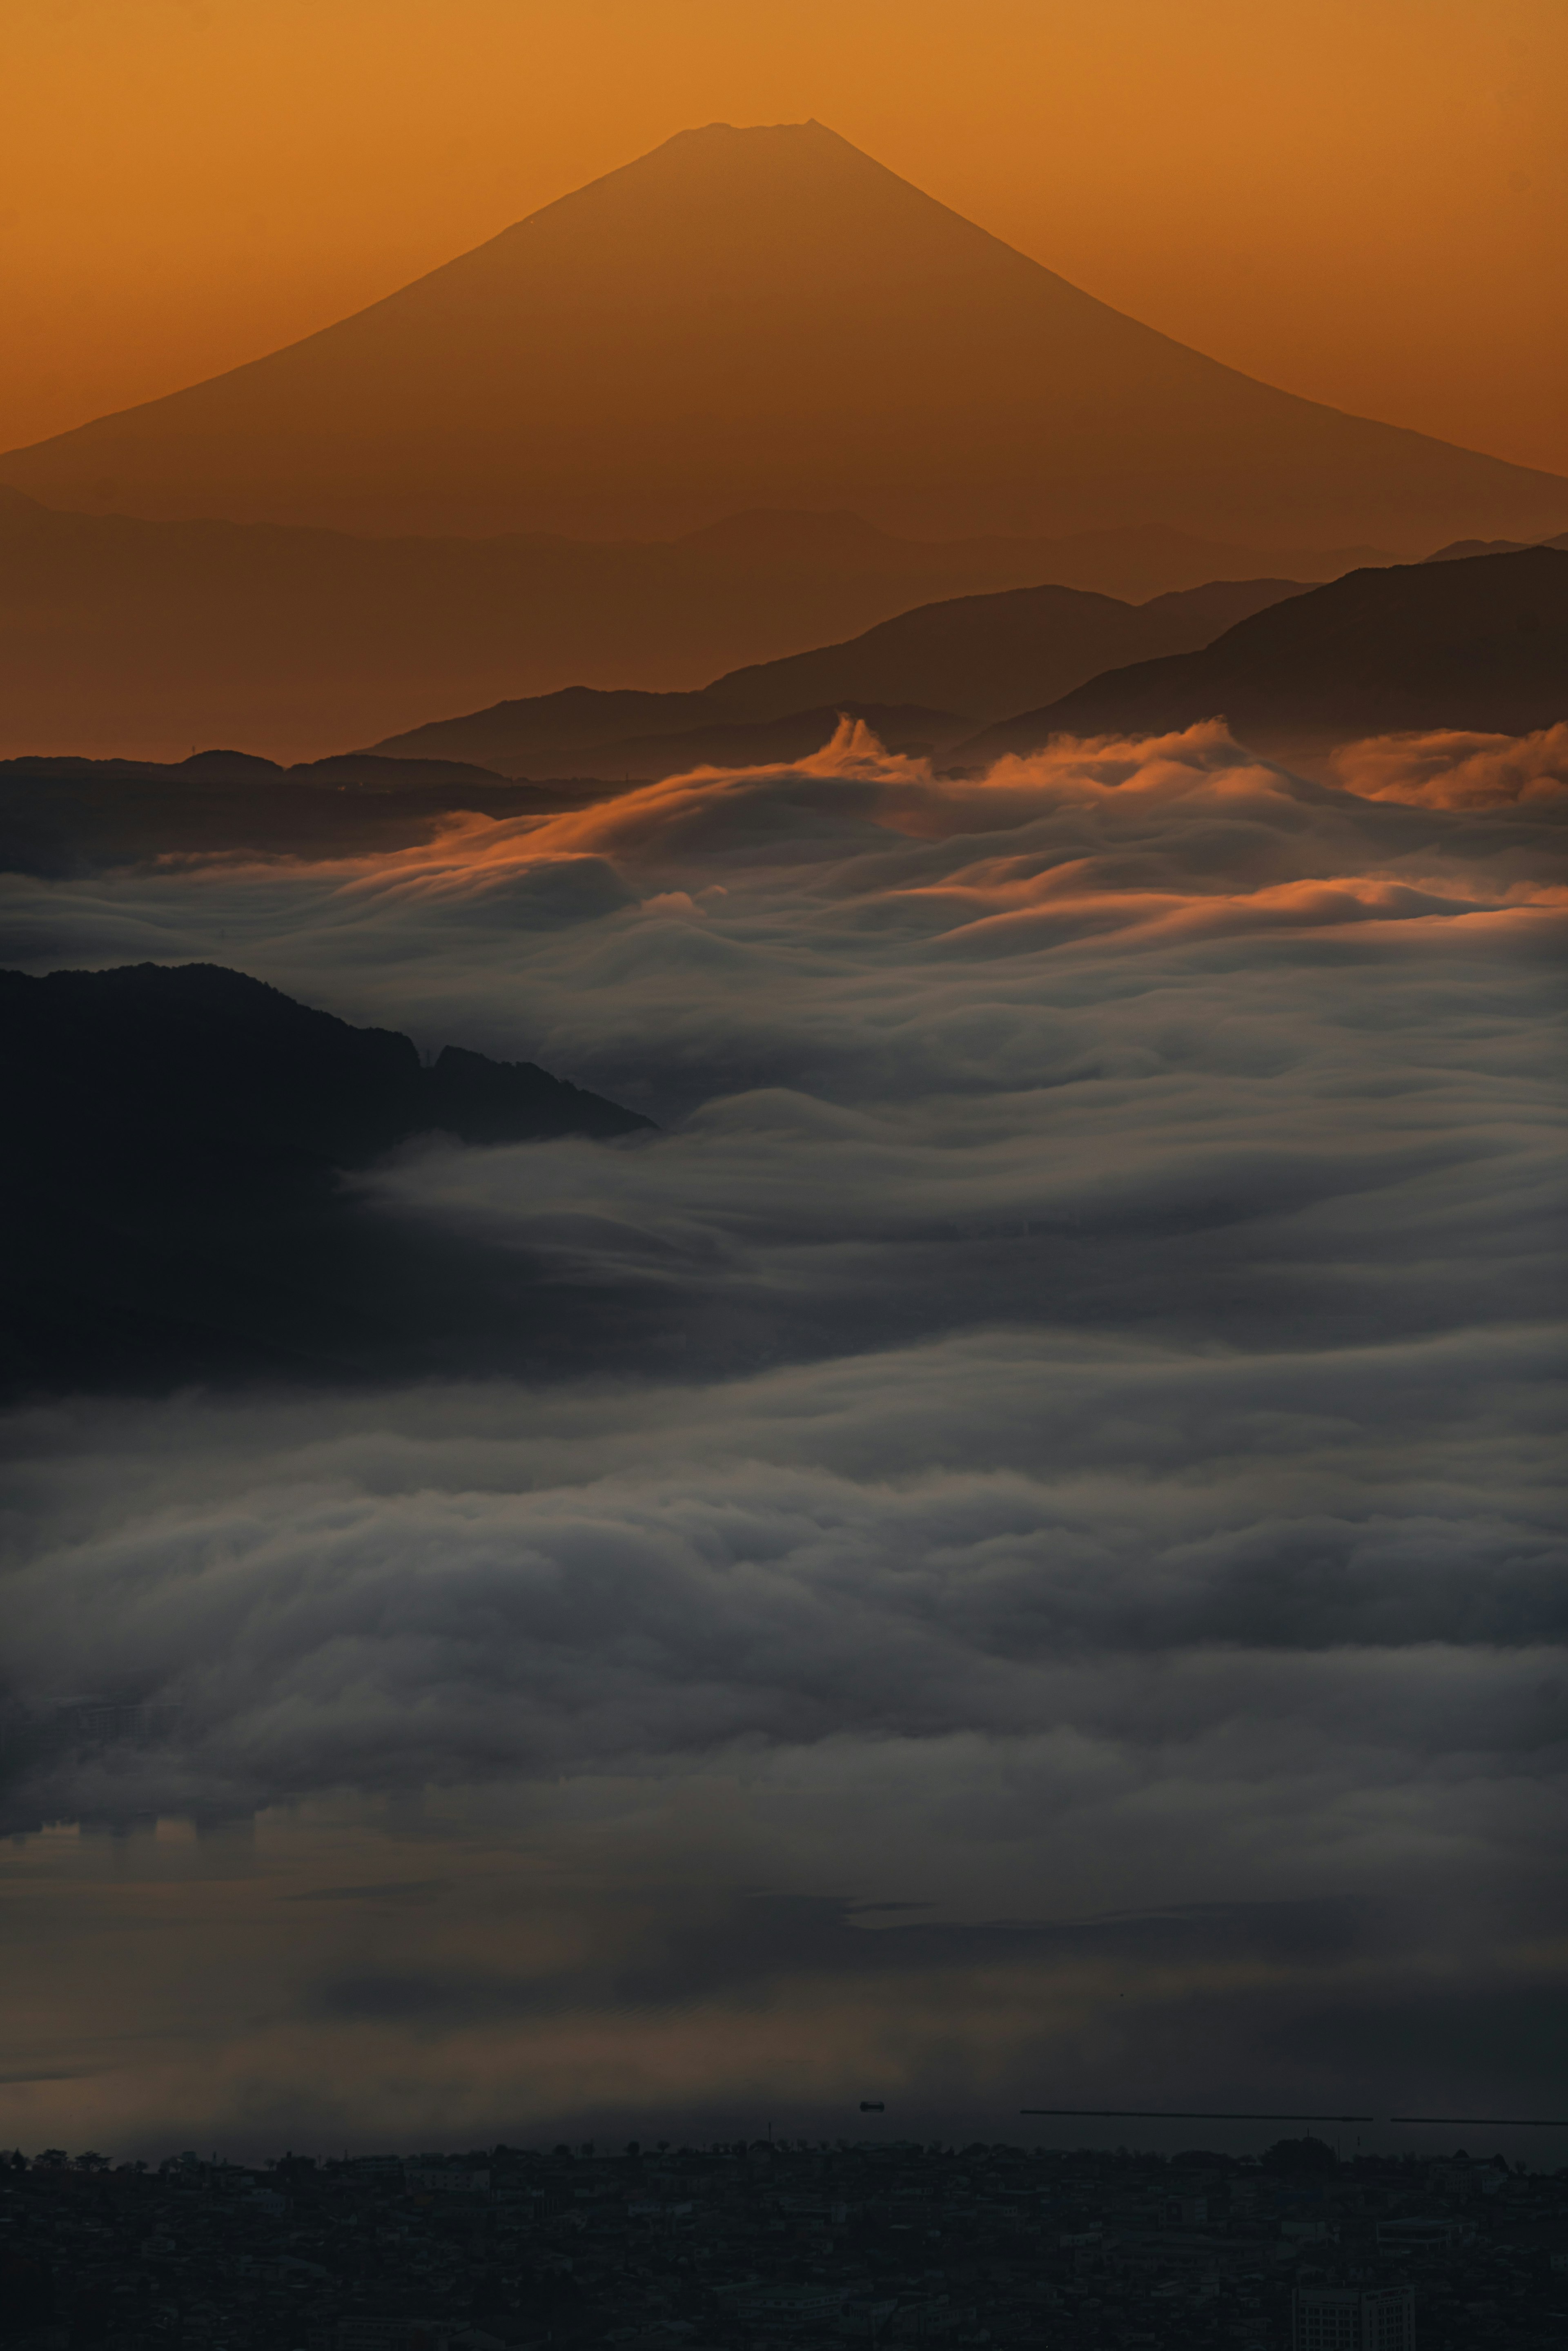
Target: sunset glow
{"points": [[782, 808], [1365, 203]]}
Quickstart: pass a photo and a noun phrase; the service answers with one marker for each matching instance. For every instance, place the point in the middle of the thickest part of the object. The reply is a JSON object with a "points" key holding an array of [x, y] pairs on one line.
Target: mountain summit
{"points": [[765, 317]]}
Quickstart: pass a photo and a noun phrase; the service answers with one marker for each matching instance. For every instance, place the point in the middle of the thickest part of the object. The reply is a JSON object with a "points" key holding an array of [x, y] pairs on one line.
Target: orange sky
{"points": [[1365, 201]]}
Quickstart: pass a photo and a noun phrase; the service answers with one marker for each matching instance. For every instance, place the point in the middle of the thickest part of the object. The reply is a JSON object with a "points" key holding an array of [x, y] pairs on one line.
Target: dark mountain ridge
{"points": [[1480, 643], [974, 657], [60, 816], [179, 1203], [920, 681], [117, 633], [1475, 642], [1463, 547]]}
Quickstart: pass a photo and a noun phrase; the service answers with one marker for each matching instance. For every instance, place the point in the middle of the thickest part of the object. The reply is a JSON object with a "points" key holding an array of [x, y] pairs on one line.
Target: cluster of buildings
{"points": [[783, 2247]]}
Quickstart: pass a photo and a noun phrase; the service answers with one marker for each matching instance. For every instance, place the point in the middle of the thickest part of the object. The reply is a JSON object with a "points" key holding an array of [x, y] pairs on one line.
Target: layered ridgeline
{"points": [[181, 1195], [914, 679], [69, 816], [920, 682], [139, 638], [767, 318], [1479, 642]]}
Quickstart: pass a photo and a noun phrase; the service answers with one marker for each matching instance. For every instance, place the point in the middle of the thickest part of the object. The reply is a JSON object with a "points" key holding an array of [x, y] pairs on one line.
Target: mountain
{"points": [[767, 318], [1463, 548], [62, 815], [1134, 562], [65, 816], [119, 635], [976, 653], [180, 1190], [1477, 644], [926, 677]]}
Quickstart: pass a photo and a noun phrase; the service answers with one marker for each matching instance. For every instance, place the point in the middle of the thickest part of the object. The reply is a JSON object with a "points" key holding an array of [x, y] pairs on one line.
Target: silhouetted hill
{"points": [[174, 1193], [1477, 644], [988, 653], [120, 636], [971, 656], [1463, 548], [767, 318], [63, 815]]}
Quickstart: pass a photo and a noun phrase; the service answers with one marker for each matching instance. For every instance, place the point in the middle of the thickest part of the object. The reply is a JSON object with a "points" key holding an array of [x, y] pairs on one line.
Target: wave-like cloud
{"points": [[1095, 1265], [1451, 770], [1060, 1427], [1166, 1553], [776, 926]]}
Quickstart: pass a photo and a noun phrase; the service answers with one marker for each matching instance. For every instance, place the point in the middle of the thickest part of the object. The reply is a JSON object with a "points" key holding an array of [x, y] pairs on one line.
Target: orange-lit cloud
{"points": [[1447, 770], [1069, 1448], [658, 851]]}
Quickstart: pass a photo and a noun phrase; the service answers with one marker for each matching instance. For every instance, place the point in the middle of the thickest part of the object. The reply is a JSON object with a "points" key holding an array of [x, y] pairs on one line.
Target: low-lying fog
{"points": [[1057, 1599]]}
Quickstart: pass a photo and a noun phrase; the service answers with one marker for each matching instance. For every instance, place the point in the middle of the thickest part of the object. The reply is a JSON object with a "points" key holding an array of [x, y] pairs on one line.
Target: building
{"points": [[1423, 2232], [1186, 2212], [1354, 2318]]}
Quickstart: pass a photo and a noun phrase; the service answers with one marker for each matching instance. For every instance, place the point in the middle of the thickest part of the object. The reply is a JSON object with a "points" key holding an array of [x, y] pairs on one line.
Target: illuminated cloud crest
{"points": [[1451, 770], [1091, 1283], [1020, 1536]]}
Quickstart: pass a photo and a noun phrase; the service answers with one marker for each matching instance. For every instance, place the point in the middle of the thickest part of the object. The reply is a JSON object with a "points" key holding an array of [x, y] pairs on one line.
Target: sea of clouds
{"points": [[1094, 1301]]}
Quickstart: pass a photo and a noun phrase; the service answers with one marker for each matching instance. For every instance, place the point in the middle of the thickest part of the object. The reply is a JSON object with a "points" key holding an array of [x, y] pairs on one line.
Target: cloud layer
{"points": [[1453, 771], [1183, 1079], [1095, 1302]]}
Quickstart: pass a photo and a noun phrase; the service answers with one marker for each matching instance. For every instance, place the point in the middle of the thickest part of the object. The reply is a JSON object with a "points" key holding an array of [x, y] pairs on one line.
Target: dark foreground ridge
{"points": [[1477, 644], [724, 2248], [178, 1193]]}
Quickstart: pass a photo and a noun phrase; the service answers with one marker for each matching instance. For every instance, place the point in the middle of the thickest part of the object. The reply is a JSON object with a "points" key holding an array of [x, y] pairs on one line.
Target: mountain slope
{"points": [[973, 652], [1462, 547], [179, 1188], [767, 318], [64, 816], [975, 656], [1479, 642]]}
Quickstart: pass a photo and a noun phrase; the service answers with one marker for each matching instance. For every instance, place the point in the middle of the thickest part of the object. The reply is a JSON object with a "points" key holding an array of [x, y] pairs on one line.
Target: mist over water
{"points": [[1037, 1577]]}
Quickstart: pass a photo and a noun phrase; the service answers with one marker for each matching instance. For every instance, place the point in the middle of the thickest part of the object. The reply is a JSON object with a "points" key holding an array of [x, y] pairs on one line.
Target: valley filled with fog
{"points": [[1013, 1544]]}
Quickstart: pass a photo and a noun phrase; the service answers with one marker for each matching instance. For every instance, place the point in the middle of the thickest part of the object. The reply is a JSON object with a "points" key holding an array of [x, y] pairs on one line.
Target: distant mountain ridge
{"points": [[1475, 642], [1463, 548], [118, 635], [767, 318], [932, 672], [1479, 642], [61, 816]]}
